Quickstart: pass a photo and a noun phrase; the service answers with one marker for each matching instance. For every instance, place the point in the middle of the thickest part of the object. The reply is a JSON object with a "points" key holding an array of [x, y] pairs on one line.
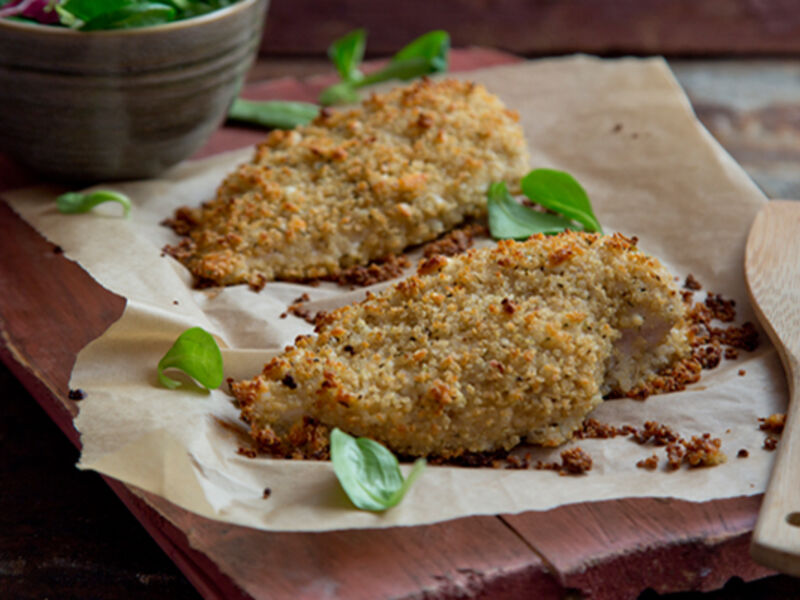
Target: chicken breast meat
{"points": [[355, 186], [476, 353]]}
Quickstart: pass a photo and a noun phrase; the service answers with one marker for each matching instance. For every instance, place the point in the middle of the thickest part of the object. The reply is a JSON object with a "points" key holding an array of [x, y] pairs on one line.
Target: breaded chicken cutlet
{"points": [[355, 186], [476, 353]]}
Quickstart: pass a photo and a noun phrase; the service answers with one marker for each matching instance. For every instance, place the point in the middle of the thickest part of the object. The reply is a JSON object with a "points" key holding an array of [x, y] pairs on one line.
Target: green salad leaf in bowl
{"points": [[95, 15]]}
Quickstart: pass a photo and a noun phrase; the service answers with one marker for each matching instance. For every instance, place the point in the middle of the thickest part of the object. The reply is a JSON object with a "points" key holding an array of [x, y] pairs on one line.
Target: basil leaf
{"points": [[560, 192], [273, 113], [368, 472], [427, 54], [77, 202], [402, 69], [433, 46], [133, 15], [196, 353], [508, 219], [347, 53]]}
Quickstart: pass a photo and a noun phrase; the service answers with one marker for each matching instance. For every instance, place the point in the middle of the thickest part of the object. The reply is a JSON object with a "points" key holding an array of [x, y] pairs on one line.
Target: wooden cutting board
{"points": [[612, 549]]}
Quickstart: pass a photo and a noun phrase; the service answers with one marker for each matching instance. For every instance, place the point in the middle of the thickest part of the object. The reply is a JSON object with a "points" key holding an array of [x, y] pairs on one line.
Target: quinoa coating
{"points": [[355, 186], [477, 352]]}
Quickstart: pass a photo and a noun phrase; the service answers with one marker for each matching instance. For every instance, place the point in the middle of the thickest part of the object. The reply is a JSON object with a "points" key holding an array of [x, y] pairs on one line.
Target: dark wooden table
{"points": [[65, 534]]}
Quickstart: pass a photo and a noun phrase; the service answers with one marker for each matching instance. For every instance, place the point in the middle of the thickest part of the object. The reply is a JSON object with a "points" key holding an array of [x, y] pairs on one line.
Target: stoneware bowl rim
{"points": [[54, 30]]}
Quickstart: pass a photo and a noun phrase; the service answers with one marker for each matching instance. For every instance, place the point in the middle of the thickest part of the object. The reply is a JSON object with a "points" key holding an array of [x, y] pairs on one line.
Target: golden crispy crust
{"points": [[478, 352], [355, 186]]}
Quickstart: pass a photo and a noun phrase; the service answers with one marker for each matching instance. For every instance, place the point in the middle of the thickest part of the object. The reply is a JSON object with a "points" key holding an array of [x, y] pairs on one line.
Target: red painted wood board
{"points": [[527, 27], [50, 308]]}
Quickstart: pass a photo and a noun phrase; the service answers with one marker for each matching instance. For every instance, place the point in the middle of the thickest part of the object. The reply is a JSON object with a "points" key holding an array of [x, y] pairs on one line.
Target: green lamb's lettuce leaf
{"points": [[86, 10], [139, 14], [196, 353], [95, 15], [76, 202], [369, 473]]}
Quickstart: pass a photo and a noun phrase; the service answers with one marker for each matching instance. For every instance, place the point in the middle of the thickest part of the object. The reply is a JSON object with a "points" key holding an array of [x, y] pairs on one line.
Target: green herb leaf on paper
{"points": [[273, 113], [369, 473], [196, 353], [508, 219], [347, 52], [560, 192], [77, 202]]}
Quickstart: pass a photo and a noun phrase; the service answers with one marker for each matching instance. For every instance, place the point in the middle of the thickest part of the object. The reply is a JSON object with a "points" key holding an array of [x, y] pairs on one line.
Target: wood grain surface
{"points": [[49, 308], [772, 271], [540, 27]]}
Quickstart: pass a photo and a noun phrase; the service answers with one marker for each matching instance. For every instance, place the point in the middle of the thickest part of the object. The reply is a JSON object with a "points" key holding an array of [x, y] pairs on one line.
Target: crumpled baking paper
{"points": [[623, 128]]}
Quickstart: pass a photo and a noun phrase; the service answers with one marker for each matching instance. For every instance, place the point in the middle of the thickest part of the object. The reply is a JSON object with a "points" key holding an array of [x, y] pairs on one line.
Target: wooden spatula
{"points": [[772, 270]]}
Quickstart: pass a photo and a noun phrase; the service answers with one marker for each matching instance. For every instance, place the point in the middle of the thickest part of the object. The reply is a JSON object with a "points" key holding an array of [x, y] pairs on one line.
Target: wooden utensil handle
{"points": [[776, 539]]}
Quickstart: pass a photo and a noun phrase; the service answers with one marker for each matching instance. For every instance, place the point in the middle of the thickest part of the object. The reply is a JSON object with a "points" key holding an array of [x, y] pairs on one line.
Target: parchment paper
{"points": [[623, 128]]}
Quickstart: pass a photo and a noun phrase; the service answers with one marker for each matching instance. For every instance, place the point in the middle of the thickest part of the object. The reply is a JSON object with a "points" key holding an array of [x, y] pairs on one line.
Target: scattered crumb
{"points": [[731, 353], [58, 250], [617, 128], [175, 302], [575, 461], [721, 309], [256, 284], [376, 271], [743, 453], [650, 463], [661, 435], [77, 394], [744, 337], [691, 283], [742, 372], [704, 451], [773, 423], [770, 443], [709, 356], [675, 454], [455, 242], [248, 452], [298, 310], [267, 493], [593, 429]]}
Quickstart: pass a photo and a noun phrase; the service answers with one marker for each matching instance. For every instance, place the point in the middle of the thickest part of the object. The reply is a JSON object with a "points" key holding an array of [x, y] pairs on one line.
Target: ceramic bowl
{"points": [[123, 104]]}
